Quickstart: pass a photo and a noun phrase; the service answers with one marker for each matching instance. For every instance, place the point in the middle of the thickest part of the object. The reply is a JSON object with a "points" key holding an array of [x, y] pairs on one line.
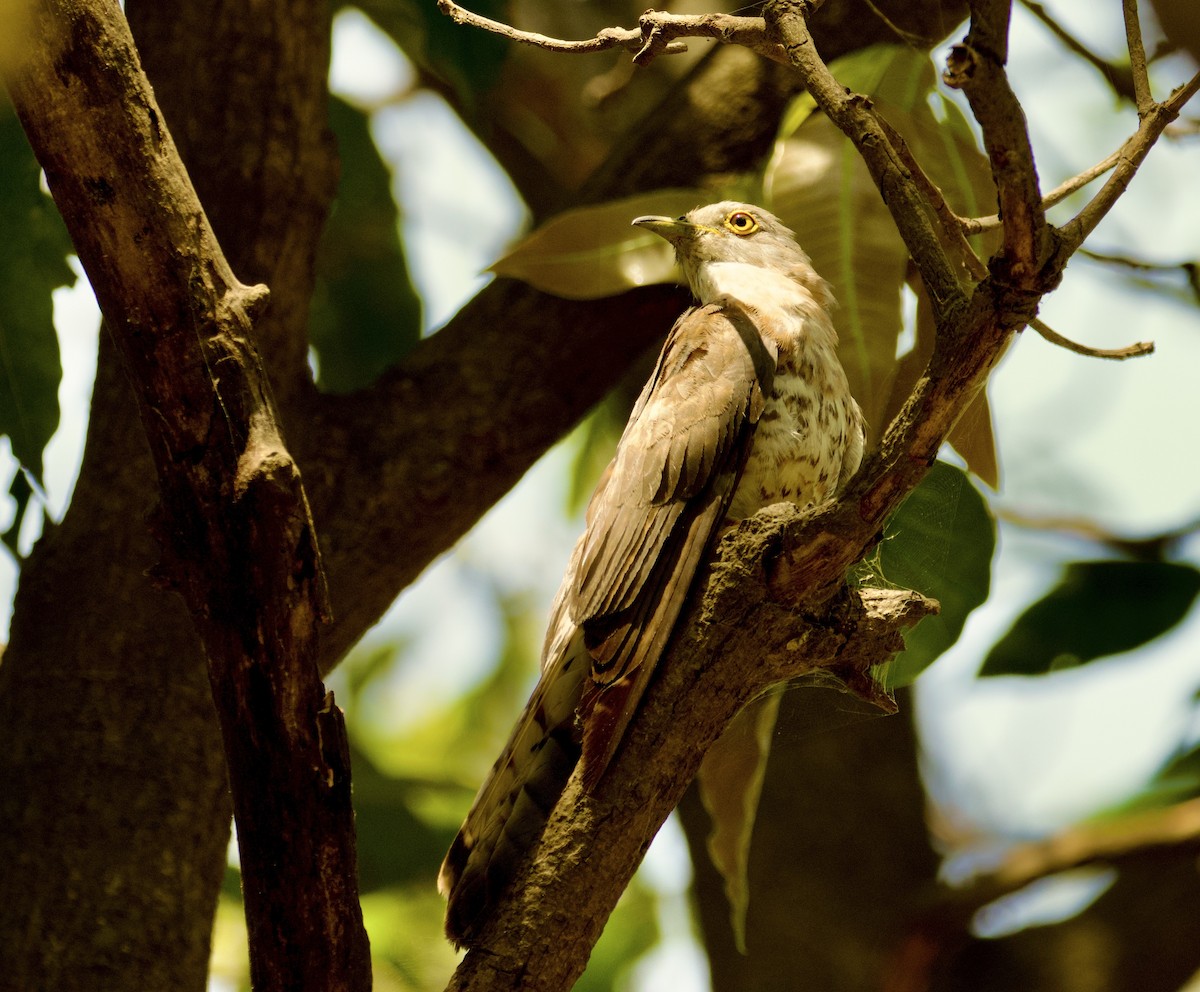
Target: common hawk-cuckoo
{"points": [[748, 405]]}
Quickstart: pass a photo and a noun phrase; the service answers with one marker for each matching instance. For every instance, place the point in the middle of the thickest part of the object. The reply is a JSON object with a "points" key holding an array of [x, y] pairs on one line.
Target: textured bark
{"points": [[115, 805]]}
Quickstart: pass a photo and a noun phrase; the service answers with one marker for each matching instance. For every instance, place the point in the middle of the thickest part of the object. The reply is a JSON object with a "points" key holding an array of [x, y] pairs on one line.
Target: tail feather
{"points": [[512, 806]]}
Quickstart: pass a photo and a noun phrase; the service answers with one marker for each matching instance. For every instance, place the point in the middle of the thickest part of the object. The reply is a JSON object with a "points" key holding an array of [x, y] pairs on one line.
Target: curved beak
{"points": [[671, 229]]}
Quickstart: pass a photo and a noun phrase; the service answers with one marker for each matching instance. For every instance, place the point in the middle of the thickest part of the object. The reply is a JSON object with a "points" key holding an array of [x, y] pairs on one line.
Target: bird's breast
{"points": [[801, 438]]}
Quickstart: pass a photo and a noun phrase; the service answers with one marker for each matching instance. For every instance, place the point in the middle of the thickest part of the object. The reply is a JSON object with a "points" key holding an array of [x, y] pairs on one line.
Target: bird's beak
{"points": [[671, 229]]}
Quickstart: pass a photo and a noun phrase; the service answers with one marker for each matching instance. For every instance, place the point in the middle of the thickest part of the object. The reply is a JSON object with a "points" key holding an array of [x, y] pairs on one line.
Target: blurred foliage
{"points": [[33, 253], [468, 62], [1099, 608], [940, 542], [365, 313]]}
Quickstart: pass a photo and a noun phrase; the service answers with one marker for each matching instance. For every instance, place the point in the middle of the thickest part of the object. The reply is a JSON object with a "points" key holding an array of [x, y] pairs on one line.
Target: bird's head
{"points": [[728, 232]]}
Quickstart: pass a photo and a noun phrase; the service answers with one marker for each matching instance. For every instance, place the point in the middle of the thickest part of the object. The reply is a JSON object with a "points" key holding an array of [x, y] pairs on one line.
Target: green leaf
{"points": [[730, 782], [940, 542], [33, 264], [365, 314], [591, 252], [1099, 608]]}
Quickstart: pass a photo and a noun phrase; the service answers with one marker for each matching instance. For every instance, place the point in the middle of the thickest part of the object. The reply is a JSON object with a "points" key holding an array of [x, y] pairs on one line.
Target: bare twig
{"points": [[1116, 354], [977, 225], [1137, 58], [655, 35], [1190, 270]]}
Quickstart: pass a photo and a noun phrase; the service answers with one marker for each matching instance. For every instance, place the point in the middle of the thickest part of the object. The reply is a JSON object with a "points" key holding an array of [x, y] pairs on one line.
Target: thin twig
{"points": [[977, 225], [1129, 159], [656, 34], [626, 38], [1115, 354], [1190, 270], [1137, 58]]}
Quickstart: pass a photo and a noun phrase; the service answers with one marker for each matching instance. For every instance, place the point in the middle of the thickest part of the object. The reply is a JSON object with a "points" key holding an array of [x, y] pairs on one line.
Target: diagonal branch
{"points": [[737, 639], [1137, 58], [238, 540], [1131, 155]]}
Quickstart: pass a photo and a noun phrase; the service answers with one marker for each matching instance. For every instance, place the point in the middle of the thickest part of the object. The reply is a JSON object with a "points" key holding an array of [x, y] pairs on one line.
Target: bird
{"points": [[747, 405]]}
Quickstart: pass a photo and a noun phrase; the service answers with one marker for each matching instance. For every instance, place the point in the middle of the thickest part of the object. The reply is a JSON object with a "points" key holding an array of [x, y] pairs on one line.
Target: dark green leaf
{"points": [[33, 252], [20, 491], [467, 59], [1099, 608], [940, 542], [365, 313]]}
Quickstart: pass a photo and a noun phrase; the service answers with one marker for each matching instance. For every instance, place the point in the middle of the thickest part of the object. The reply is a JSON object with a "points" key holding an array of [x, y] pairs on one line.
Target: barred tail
{"points": [[512, 806]]}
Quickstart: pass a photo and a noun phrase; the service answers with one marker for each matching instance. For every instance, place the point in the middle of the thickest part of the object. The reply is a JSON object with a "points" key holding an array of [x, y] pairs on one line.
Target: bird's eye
{"points": [[742, 223]]}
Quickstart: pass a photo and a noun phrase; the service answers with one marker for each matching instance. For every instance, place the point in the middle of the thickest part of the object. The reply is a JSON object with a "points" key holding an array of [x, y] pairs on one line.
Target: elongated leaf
{"points": [[940, 542], [730, 782], [1099, 608], [33, 264], [594, 251], [365, 314]]}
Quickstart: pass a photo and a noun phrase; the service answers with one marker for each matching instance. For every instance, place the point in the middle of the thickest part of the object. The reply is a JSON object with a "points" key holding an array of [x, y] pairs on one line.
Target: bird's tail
{"points": [[516, 798]]}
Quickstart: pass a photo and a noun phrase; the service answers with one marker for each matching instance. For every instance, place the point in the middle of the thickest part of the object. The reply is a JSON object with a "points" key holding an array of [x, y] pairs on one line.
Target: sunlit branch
{"points": [[977, 225], [656, 34], [1137, 58], [1130, 158]]}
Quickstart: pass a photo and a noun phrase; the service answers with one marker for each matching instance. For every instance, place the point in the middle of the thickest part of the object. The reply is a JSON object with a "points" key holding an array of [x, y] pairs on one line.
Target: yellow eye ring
{"points": [[741, 223]]}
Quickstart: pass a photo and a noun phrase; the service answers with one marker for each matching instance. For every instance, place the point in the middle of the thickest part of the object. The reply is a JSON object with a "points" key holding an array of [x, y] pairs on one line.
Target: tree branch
{"points": [[738, 638], [655, 35], [976, 66], [1131, 155], [237, 537], [1137, 58]]}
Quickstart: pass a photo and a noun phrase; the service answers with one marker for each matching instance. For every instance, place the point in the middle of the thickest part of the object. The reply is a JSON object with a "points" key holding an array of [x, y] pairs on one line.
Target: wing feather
{"points": [[665, 496]]}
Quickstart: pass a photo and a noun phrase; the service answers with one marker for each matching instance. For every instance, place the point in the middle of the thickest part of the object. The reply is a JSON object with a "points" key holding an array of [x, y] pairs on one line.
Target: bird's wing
{"points": [[648, 523], [665, 496]]}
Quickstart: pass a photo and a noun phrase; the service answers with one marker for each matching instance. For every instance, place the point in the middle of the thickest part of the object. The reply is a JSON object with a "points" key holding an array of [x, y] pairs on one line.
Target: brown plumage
{"points": [[747, 406]]}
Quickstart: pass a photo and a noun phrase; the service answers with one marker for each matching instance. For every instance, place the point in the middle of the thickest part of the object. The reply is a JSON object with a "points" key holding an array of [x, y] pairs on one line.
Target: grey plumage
{"points": [[747, 406]]}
